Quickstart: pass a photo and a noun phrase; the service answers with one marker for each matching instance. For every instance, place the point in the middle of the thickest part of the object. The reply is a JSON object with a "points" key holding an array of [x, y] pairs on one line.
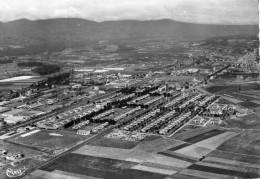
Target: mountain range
{"points": [[75, 29]]}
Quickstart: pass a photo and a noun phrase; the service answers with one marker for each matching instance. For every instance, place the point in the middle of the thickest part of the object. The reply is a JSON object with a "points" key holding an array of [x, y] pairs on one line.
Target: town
{"points": [[173, 101]]}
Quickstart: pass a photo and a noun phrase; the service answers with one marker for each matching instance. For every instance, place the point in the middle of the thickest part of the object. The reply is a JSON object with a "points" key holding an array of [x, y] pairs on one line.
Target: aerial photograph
{"points": [[129, 89]]}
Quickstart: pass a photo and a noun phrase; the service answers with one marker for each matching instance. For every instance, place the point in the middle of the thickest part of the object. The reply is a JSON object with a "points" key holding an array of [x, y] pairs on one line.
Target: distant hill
{"points": [[79, 29], [66, 32]]}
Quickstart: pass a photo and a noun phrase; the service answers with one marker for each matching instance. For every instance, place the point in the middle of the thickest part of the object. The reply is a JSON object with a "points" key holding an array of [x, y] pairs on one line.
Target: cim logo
{"points": [[15, 172]]}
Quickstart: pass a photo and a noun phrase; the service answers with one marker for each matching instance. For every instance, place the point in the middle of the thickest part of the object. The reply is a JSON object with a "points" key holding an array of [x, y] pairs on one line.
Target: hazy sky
{"points": [[197, 11]]}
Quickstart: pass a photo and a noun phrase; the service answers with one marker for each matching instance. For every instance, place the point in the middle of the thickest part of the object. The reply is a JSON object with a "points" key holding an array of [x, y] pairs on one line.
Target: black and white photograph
{"points": [[129, 89]]}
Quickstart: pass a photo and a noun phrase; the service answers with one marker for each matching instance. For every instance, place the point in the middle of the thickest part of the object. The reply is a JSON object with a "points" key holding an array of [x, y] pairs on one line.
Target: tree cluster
{"points": [[30, 64], [47, 69], [6, 61]]}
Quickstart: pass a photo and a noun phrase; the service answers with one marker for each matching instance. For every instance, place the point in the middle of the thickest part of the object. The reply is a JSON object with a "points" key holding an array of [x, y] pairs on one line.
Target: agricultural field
{"points": [[234, 157], [247, 142], [257, 110], [28, 152], [221, 89], [49, 141], [218, 163], [220, 167], [187, 128], [194, 148], [250, 105], [250, 102], [192, 132], [96, 161], [151, 137], [231, 99], [96, 167], [157, 145], [244, 95], [133, 155], [156, 157], [250, 93], [116, 143], [205, 146], [250, 121], [57, 174], [219, 170], [230, 163]]}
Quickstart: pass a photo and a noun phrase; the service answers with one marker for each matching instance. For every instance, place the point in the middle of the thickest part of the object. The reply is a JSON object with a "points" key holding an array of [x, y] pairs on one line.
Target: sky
{"points": [[194, 11]]}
